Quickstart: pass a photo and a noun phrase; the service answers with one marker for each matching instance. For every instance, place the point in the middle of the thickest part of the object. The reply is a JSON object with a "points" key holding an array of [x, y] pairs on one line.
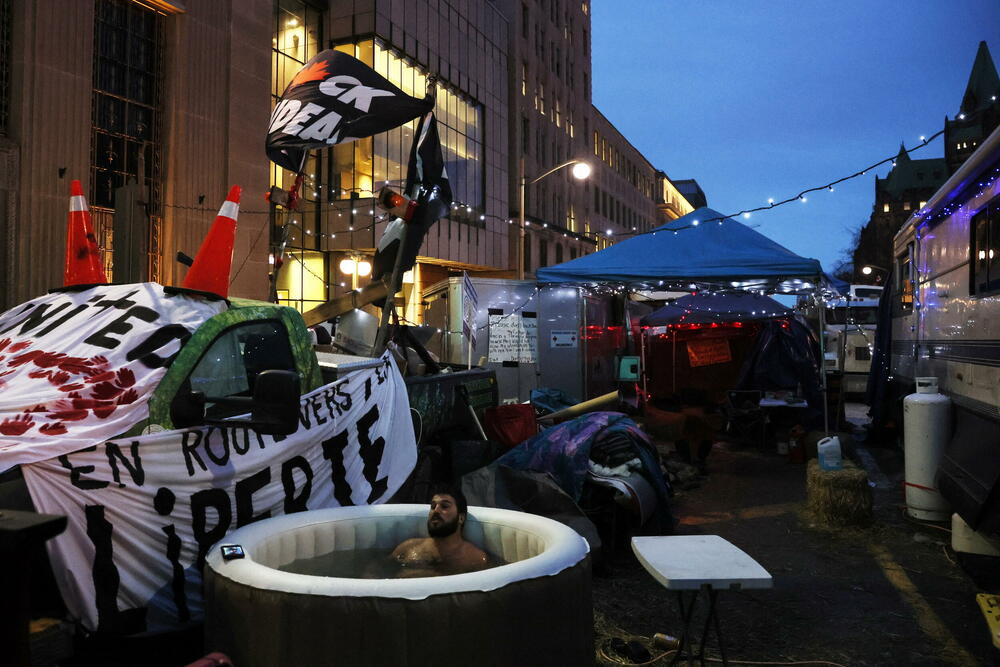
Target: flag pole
{"points": [[292, 206]]}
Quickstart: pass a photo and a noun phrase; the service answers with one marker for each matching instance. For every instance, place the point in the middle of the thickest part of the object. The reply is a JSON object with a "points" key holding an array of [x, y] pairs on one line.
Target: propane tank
{"points": [[926, 429]]}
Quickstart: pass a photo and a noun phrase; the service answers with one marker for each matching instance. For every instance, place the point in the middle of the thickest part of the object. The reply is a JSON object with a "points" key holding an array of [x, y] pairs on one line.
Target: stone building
{"points": [[910, 183]]}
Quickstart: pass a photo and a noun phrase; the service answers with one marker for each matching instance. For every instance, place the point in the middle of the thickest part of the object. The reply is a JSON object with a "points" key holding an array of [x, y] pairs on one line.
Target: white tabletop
{"points": [[688, 562]]}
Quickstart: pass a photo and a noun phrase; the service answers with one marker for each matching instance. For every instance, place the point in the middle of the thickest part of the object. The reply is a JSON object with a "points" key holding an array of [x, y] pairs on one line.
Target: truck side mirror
{"points": [[274, 408], [276, 398]]}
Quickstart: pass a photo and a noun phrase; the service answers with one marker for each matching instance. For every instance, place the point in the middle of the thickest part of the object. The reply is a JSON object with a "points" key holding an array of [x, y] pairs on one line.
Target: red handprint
{"points": [[105, 391], [17, 425], [49, 359], [17, 347], [58, 428], [129, 396], [126, 378], [68, 415], [104, 410], [101, 377]]}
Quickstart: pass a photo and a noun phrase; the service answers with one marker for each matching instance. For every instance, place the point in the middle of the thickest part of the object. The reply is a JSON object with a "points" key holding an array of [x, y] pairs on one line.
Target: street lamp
{"points": [[870, 268], [580, 171]]}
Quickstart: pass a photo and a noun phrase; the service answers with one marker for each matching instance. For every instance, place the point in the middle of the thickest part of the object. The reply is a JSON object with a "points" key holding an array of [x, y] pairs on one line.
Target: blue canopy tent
{"points": [[702, 250]]}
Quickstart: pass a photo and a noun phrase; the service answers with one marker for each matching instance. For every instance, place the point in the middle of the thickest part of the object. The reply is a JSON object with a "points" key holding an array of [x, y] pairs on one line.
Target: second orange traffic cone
{"points": [[210, 271], [83, 258]]}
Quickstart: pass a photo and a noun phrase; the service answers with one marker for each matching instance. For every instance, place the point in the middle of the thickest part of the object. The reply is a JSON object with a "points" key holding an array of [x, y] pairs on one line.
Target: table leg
{"points": [[686, 650], [713, 615]]}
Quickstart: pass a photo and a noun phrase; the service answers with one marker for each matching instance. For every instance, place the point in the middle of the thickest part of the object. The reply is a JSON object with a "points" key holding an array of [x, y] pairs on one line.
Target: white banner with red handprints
{"points": [[78, 367], [143, 512]]}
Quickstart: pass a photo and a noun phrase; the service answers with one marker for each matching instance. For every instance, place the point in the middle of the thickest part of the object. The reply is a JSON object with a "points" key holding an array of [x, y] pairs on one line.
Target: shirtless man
{"points": [[445, 551]]}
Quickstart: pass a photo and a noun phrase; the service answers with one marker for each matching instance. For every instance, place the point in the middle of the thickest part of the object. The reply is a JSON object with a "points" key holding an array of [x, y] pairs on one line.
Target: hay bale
{"points": [[839, 497]]}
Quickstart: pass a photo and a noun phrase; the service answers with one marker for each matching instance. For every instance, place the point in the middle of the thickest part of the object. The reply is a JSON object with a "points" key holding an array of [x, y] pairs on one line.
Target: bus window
{"points": [[905, 281], [985, 249]]}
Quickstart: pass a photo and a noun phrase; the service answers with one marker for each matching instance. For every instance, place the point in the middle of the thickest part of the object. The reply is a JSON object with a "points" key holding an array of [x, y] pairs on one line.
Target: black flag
{"points": [[335, 98], [427, 184]]}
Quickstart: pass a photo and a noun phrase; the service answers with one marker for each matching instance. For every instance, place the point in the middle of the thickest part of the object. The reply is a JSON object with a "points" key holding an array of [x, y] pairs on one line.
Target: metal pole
{"points": [[381, 340], [822, 361], [521, 219]]}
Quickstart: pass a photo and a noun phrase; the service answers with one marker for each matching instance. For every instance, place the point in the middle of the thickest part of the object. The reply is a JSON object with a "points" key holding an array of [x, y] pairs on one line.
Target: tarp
{"points": [[711, 308], [707, 249]]}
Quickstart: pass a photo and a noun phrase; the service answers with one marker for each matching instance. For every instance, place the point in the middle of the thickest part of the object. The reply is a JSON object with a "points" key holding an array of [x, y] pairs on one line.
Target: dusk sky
{"points": [[767, 98]]}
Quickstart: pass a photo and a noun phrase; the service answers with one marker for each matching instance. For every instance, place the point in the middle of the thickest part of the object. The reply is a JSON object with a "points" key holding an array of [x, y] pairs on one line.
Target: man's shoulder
{"points": [[412, 543]]}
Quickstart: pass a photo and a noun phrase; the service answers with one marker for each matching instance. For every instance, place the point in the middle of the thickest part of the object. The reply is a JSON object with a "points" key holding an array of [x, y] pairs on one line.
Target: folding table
{"points": [[699, 563]]}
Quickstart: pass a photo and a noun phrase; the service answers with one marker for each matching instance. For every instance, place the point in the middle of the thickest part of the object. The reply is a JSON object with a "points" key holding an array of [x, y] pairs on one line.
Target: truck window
{"points": [[985, 249], [232, 362]]}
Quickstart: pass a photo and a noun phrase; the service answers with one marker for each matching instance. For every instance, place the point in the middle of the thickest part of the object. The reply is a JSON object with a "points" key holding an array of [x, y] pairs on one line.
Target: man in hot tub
{"points": [[445, 551]]}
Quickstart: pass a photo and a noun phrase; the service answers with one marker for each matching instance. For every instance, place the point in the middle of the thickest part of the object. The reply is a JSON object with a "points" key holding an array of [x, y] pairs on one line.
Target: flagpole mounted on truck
{"points": [[334, 99]]}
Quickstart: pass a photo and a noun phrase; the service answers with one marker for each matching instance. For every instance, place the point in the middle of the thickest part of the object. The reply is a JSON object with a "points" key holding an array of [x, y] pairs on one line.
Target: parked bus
{"points": [[945, 310]]}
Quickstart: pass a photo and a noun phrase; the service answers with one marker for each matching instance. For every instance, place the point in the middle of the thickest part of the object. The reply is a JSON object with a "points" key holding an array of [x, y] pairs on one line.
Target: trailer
{"points": [[569, 338], [944, 298]]}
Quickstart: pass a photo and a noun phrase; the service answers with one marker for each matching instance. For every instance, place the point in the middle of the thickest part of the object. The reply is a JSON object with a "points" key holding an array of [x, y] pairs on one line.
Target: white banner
{"points": [[143, 512], [78, 367]]}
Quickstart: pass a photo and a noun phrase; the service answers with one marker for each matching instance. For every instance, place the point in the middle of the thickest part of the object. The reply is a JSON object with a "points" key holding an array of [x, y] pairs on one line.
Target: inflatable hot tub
{"points": [[536, 609]]}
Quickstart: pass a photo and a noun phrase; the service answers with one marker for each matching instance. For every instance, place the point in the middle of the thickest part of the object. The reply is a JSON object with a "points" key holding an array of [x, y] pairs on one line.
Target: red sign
{"points": [[708, 352]]}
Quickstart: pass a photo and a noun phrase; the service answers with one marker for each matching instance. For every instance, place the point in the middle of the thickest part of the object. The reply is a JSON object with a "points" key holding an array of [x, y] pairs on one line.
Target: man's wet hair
{"points": [[454, 492]]}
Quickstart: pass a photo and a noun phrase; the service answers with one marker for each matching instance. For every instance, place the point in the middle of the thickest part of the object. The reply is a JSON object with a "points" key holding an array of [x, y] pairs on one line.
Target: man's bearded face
{"points": [[443, 519]]}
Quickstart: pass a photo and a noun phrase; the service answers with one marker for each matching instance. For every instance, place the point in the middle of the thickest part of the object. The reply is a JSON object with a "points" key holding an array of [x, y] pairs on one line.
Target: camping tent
{"points": [[707, 309], [704, 249]]}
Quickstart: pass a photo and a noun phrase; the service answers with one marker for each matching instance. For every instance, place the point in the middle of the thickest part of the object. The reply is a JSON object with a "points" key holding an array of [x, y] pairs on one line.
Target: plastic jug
{"points": [[828, 454]]}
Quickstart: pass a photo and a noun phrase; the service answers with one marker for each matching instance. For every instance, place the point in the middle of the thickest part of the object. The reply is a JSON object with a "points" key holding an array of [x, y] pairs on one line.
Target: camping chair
{"points": [[744, 417]]}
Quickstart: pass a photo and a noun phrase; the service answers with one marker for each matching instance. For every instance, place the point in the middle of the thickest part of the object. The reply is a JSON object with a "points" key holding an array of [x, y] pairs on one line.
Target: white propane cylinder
{"points": [[926, 429]]}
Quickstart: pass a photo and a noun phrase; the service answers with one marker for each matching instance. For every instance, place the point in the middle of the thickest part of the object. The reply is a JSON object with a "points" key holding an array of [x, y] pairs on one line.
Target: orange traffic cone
{"points": [[210, 271], [83, 259]]}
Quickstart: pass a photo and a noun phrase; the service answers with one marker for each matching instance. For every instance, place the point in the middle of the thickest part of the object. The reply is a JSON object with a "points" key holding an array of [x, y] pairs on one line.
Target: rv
{"points": [[849, 333], [945, 308]]}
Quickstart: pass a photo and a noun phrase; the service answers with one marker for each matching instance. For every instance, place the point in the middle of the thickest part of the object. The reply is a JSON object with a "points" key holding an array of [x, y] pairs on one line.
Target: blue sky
{"points": [[765, 98]]}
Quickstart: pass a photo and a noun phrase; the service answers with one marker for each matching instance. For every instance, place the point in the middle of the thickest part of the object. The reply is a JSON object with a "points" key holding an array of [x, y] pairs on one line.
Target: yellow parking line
{"points": [[929, 622]]}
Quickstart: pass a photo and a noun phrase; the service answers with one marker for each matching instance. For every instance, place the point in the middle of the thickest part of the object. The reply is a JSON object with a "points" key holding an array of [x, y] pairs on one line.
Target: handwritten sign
{"points": [[709, 352], [513, 337]]}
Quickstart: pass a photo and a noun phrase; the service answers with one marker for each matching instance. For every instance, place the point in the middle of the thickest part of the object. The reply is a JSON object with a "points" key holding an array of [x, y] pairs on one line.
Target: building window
{"points": [[295, 38], [885, 207], [524, 79], [571, 218], [557, 113], [906, 206], [585, 8], [985, 249], [125, 141], [541, 98], [368, 163], [4, 63], [922, 204]]}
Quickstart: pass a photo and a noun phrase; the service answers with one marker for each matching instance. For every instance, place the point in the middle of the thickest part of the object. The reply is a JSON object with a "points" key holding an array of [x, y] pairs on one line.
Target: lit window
{"points": [[885, 208], [922, 204], [524, 79], [906, 206]]}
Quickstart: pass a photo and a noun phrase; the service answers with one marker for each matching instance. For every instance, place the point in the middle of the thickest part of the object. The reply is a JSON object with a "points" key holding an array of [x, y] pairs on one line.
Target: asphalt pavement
{"points": [[891, 593]]}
